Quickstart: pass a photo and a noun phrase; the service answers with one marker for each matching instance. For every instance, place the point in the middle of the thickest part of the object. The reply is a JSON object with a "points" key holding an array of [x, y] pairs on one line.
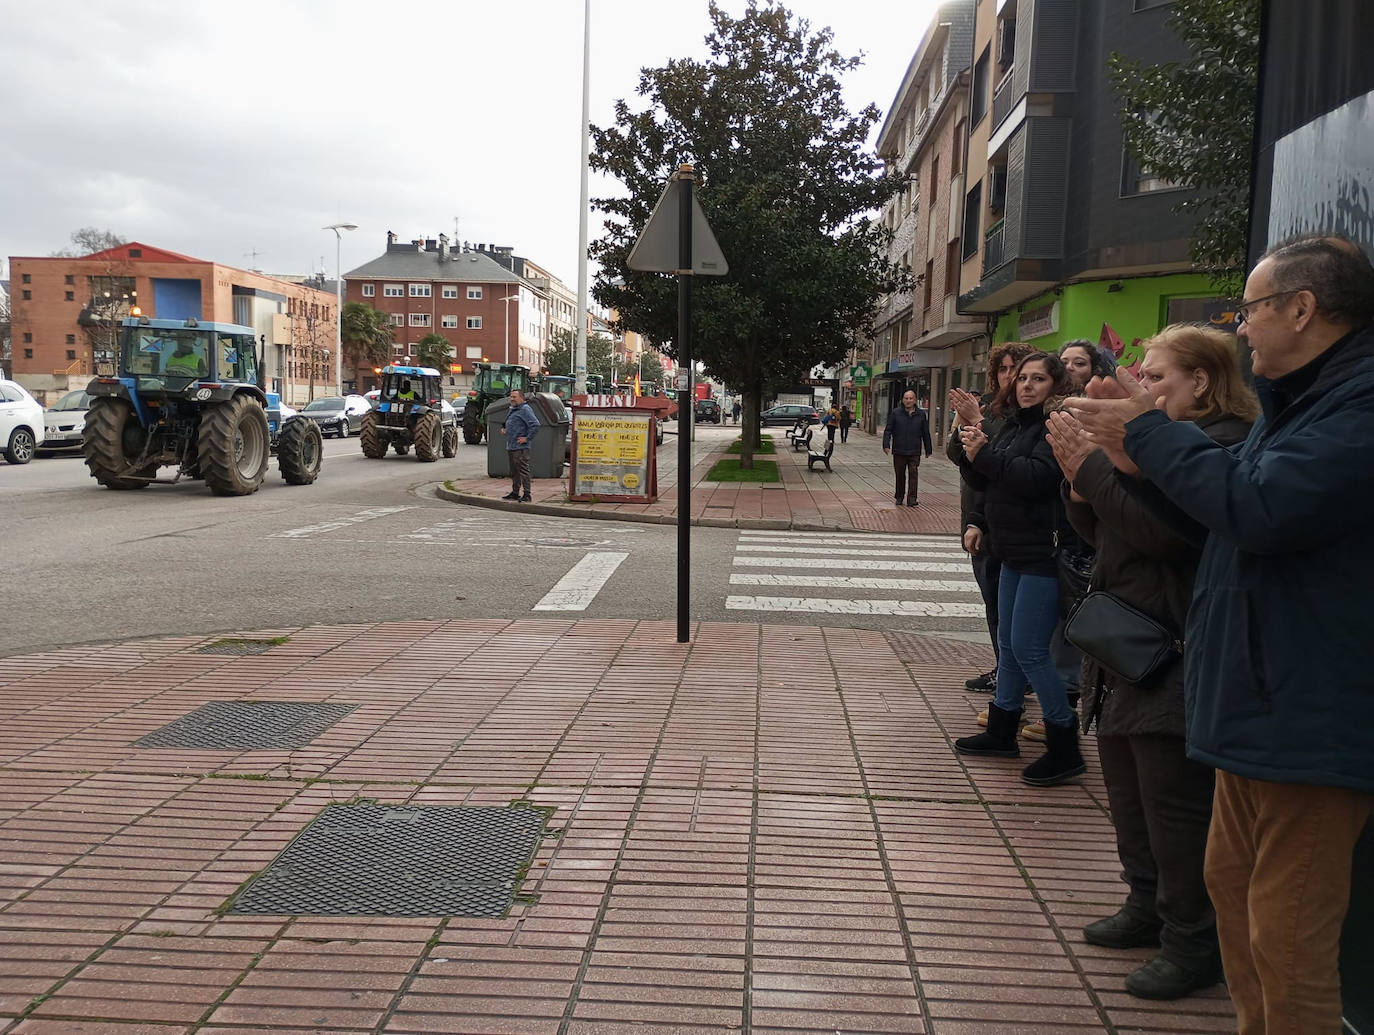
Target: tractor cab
{"points": [[491, 381], [168, 356], [409, 390]]}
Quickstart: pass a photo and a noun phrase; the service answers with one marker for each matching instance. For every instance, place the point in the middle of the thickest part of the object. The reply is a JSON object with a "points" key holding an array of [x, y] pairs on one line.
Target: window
{"points": [[448, 321], [69, 279], [421, 320], [474, 323], [28, 338], [393, 290], [929, 281], [69, 296], [28, 295], [980, 89], [1136, 179], [997, 189], [24, 279], [1006, 44], [934, 179], [474, 292], [419, 290], [28, 353], [450, 291], [71, 339], [135, 253], [952, 268], [71, 353], [956, 153], [474, 352], [973, 215], [369, 290], [396, 319], [398, 350]]}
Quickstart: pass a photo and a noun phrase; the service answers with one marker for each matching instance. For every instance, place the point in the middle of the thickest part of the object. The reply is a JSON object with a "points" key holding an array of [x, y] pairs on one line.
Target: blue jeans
{"points": [[1027, 612]]}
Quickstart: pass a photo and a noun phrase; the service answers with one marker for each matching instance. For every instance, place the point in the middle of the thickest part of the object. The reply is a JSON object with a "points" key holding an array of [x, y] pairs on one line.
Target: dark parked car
{"points": [[789, 414], [337, 415], [707, 411]]}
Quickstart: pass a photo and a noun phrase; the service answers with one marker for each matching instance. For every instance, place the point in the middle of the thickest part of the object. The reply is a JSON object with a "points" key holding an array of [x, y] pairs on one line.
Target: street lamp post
{"points": [[506, 340], [338, 300]]}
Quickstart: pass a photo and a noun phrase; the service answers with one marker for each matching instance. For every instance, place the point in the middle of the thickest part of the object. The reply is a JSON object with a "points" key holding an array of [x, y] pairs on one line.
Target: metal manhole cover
{"points": [[563, 541], [248, 725], [237, 647], [388, 860]]}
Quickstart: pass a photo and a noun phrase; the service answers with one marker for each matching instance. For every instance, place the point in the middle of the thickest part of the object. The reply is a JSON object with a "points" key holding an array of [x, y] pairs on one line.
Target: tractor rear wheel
{"points": [[429, 436], [300, 449], [450, 441], [233, 446], [112, 441], [374, 446], [472, 429]]}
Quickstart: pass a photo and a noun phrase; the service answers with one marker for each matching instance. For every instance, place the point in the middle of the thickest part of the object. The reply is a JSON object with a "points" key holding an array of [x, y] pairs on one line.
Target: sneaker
{"points": [[511, 496], [912, 503], [982, 719], [1123, 930], [1165, 979], [984, 684], [1036, 730]]}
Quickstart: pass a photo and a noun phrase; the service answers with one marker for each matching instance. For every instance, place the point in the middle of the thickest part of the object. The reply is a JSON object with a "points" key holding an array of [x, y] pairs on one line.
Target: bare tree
{"points": [[87, 240], [312, 332]]}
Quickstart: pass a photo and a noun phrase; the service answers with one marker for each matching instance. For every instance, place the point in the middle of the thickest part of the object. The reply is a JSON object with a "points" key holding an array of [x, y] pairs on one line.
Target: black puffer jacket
{"points": [[1146, 557], [1019, 478]]}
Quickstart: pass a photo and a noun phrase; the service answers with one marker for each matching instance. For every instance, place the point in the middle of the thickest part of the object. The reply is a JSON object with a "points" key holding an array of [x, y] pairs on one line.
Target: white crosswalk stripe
{"points": [[919, 576]]}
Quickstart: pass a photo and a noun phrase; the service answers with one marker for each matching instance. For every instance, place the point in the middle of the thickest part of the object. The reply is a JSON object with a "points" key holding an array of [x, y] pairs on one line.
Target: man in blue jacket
{"points": [[907, 430], [1279, 663], [521, 427]]}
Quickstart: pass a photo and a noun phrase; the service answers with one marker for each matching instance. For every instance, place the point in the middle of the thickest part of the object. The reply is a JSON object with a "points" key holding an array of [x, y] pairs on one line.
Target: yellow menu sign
{"points": [[611, 453]]}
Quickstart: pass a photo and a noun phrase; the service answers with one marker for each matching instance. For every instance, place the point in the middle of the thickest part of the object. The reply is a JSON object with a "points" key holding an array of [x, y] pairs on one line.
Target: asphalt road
{"points": [[369, 541]]}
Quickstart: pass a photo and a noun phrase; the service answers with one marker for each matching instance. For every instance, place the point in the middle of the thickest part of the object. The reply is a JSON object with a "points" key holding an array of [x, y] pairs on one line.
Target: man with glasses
{"points": [[1280, 697]]}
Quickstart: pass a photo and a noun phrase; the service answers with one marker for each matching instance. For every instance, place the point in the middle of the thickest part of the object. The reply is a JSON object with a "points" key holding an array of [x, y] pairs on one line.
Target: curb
{"points": [[568, 510]]}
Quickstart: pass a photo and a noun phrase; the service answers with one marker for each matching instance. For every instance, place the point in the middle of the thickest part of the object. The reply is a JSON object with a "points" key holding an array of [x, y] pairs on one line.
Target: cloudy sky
{"points": [[223, 130]]}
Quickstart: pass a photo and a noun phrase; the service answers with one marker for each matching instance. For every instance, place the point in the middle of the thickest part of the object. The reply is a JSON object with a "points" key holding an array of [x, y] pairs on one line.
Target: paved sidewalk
{"points": [[764, 830], [855, 495]]}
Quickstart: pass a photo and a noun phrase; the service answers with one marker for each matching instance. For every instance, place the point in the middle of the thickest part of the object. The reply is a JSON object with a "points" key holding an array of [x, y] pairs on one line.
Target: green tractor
{"points": [[493, 381], [185, 394], [410, 411]]}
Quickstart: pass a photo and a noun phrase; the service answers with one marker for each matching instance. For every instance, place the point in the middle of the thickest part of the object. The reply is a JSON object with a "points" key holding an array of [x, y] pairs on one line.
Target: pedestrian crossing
{"points": [[919, 576]]}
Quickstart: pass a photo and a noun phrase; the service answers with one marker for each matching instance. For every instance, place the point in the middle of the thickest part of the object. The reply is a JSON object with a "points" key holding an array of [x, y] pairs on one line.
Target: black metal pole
{"points": [[684, 406]]}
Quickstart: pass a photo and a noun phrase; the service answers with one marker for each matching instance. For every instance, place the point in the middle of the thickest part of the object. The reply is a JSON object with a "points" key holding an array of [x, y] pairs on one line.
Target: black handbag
{"points": [[1128, 642]]}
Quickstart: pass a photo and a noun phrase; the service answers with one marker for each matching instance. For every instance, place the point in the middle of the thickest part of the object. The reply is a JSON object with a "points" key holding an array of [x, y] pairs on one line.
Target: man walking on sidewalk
{"points": [[905, 434], [521, 427], [1277, 669]]}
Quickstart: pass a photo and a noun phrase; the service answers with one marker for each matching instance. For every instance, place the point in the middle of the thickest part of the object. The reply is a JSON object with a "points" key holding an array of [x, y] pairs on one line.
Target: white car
{"points": [[21, 422], [63, 423]]}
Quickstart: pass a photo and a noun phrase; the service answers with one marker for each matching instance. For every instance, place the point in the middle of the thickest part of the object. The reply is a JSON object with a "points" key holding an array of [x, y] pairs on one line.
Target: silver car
{"points": [[64, 422]]}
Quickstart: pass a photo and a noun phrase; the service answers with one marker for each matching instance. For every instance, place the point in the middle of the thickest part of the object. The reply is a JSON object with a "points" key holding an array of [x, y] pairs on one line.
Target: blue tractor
{"points": [[410, 411], [185, 394]]}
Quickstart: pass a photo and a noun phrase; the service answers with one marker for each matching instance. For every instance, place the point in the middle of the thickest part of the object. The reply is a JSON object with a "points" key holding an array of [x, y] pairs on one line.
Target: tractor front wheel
{"points": [[401, 446], [233, 446], [450, 442], [428, 438], [374, 445], [300, 449], [113, 440]]}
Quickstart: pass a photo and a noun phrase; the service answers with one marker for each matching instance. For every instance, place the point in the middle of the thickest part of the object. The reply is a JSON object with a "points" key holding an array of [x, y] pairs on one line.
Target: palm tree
{"points": [[433, 350], [367, 337]]}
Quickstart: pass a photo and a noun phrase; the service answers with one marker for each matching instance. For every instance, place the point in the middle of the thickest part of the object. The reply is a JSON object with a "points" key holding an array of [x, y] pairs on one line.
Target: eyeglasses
{"points": [[1243, 309]]}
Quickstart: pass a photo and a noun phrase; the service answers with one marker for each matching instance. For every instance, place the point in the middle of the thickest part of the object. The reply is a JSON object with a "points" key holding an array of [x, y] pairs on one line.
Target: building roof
{"points": [[145, 253], [468, 267]]}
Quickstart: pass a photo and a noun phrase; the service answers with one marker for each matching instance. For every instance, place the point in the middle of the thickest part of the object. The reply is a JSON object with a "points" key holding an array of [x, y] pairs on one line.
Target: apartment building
{"points": [[66, 315], [1064, 235], [486, 311], [919, 336]]}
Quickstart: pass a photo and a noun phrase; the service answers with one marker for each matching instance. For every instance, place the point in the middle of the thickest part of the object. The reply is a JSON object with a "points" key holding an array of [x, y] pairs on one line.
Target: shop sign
{"points": [[922, 358], [860, 374], [1036, 323]]}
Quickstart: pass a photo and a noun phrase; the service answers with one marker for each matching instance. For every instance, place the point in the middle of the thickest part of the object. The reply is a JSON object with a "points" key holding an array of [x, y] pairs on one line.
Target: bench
{"points": [[801, 439], [813, 458]]}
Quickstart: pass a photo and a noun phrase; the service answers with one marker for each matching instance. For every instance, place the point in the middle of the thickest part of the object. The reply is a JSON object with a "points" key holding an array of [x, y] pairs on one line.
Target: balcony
{"points": [[1003, 101], [993, 246]]}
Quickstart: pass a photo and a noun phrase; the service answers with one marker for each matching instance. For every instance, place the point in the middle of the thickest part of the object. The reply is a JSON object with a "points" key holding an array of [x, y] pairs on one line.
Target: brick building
{"points": [[919, 337], [485, 310], [65, 310]]}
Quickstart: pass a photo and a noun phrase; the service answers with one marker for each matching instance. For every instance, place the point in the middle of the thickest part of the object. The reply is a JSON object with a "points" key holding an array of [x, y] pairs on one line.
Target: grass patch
{"points": [[765, 446], [728, 470]]}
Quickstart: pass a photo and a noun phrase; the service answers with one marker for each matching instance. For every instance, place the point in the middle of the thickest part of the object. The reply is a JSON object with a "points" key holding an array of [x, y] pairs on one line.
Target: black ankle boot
{"points": [[1164, 979], [1000, 738], [1124, 929], [1060, 763]]}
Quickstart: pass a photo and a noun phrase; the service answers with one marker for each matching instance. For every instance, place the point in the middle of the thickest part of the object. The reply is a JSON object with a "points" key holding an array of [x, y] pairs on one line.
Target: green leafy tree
{"points": [[433, 350], [1192, 122], [558, 357], [367, 337], [785, 181]]}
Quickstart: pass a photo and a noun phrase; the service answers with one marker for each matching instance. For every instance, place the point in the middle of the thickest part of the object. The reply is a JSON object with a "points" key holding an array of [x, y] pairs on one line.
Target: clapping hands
{"points": [[966, 405], [974, 440]]}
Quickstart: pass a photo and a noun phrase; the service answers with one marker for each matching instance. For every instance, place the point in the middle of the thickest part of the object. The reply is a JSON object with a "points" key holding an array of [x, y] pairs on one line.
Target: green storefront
{"points": [[1130, 308]]}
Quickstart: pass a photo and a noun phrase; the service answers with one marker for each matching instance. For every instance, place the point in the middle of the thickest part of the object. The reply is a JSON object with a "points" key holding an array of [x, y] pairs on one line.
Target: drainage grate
{"points": [[237, 647], [388, 860], [248, 725]]}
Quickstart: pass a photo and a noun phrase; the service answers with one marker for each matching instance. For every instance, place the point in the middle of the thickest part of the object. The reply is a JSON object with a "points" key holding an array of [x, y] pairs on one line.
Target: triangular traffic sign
{"points": [[656, 251]]}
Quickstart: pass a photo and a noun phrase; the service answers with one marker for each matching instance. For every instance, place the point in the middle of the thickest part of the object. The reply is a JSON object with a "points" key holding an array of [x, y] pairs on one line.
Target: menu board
{"points": [[611, 454]]}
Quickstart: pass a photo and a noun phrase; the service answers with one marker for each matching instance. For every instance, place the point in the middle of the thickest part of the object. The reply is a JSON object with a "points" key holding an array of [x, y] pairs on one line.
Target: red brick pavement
{"points": [[743, 843]]}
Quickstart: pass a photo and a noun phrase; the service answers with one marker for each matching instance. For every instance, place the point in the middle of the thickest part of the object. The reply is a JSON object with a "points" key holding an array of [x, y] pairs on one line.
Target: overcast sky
{"points": [[219, 131]]}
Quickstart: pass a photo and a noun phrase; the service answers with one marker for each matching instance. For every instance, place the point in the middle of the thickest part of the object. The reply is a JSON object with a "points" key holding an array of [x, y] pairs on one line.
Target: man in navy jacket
{"points": [[907, 431], [1279, 663]]}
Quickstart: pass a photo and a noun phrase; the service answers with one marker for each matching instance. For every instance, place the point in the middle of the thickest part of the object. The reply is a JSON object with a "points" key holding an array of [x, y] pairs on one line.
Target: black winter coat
{"points": [[1279, 652], [1145, 559], [1019, 478], [906, 435]]}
